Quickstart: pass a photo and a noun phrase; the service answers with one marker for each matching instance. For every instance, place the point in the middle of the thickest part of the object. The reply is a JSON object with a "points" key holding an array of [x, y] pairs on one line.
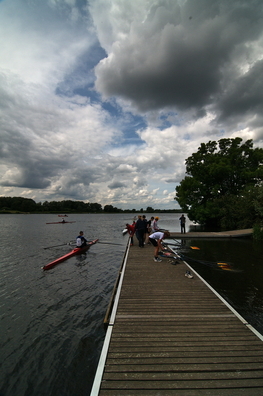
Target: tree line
{"points": [[28, 205]]}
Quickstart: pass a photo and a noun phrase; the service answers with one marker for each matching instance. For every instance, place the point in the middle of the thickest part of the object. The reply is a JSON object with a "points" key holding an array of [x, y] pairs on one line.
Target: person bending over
{"points": [[156, 240]]}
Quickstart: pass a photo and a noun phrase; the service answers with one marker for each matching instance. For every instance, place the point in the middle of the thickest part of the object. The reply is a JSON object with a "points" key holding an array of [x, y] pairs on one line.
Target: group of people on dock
{"points": [[148, 232], [142, 228]]}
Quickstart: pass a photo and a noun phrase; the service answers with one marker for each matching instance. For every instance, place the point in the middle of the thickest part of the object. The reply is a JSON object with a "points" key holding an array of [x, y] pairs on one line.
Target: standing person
{"points": [[149, 230], [81, 240], [150, 224], [131, 231], [145, 229], [182, 223], [156, 240], [139, 230], [155, 226]]}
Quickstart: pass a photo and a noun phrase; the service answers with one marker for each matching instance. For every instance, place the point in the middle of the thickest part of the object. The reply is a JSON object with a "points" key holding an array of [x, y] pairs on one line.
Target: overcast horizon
{"points": [[103, 100]]}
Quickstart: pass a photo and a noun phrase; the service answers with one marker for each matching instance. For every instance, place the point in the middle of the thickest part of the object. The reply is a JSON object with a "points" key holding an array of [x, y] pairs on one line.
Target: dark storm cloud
{"points": [[182, 56], [245, 94], [28, 167], [116, 184]]}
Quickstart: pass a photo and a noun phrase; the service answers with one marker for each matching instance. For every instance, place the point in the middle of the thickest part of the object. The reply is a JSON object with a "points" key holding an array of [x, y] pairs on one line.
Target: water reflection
{"points": [[239, 278]]}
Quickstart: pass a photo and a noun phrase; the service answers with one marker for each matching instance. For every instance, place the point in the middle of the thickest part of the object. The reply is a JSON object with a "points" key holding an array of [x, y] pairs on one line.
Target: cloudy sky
{"points": [[103, 100]]}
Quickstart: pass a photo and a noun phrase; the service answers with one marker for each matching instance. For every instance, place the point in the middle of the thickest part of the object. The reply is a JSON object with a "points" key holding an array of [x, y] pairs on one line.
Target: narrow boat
{"points": [[73, 252], [124, 231], [63, 215], [61, 222]]}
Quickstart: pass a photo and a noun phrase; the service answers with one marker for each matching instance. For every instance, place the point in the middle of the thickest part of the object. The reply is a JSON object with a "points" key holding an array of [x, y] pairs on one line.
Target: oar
{"points": [[180, 246], [191, 247], [172, 244], [110, 243], [208, 263], [49, 247]]}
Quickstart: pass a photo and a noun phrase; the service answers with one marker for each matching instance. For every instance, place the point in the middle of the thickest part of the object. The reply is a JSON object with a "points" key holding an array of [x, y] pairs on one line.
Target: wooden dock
{"points": [[221, 234], [173, 336]]}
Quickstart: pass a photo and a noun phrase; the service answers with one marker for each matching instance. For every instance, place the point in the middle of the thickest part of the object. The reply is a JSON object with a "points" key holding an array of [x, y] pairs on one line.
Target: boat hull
{"points": [[61, 222], [73, 252]]}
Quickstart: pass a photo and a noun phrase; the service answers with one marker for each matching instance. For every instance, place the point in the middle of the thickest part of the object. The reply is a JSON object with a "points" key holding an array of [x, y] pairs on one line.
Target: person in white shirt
{"points": [[156, 240], [155, 226]]}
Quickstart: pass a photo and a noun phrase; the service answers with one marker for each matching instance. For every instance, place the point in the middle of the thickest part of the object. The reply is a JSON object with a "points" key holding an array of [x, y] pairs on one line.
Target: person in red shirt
{"points": [[131, 231]]}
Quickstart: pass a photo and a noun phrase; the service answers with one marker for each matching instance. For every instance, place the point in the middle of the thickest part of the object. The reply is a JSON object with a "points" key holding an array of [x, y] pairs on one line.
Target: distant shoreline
{"points": [[102, 212]]}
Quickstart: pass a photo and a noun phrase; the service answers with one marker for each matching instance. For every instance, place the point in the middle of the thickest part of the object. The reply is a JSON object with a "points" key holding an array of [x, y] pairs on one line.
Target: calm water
{"points": [[52, 322]]}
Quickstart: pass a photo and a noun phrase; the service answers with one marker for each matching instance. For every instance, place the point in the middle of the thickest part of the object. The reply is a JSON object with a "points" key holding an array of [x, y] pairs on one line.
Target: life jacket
{"points": [[79, 241]]}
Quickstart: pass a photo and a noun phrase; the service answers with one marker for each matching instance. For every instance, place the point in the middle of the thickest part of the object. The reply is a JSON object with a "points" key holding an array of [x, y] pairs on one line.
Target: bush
{"points": [[258, 232]]}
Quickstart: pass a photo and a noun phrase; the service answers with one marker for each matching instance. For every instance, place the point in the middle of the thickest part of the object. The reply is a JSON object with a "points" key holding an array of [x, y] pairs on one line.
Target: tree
{"points": [[220, 179], [149, 209], [110, 209]]}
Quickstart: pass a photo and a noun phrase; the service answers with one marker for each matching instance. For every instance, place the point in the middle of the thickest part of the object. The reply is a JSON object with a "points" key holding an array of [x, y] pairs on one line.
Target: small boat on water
{"points": [[63, 215], [73, 252], [61, 222], [124, 231]]}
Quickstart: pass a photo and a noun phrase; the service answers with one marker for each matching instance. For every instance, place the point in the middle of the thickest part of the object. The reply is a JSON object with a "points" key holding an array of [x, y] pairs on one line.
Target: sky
{"points": [[104, 100]]}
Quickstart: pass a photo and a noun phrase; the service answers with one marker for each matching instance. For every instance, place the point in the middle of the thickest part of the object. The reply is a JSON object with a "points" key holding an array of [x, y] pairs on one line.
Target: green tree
{"points": [[111, 209], [220, 180], [149, 209]]}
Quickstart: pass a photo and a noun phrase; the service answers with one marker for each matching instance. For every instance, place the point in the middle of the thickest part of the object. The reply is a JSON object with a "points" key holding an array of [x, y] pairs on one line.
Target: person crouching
{"points": [[156, 240]]}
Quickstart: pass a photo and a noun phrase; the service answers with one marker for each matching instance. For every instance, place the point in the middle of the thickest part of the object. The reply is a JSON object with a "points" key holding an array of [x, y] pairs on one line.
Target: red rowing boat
{"points": [[73, 252], [61, 222]]}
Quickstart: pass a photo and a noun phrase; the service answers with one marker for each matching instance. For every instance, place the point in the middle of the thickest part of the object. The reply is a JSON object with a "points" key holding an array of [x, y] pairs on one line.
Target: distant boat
{"points": [[63, 215], [61, 222]]}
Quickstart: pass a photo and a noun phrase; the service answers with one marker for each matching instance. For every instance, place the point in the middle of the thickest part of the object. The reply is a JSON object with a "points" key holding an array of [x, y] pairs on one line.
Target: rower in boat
{"points": [[81, 241], [77, 250]]}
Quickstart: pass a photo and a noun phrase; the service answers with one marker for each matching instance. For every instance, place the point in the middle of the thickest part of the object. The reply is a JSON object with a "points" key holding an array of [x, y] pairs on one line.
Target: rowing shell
{"points": [[61, 222], [73, 252]]}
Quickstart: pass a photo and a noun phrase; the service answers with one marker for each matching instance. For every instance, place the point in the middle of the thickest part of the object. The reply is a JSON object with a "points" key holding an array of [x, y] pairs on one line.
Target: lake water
{"points": [[52, 321]]}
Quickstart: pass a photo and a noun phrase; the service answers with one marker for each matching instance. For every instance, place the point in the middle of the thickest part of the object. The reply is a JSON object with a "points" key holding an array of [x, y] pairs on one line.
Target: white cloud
{"points": [[175, 74]]}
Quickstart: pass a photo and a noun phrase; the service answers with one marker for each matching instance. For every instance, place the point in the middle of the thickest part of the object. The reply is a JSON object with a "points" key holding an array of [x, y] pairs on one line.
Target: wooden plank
{"points": [[175, 376], [181, 392], [184, 384], [183, 367]]}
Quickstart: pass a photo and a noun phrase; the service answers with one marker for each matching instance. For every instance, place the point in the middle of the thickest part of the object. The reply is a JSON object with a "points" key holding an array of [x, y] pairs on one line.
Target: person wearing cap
{"points": [[155, 226], [156, 240]]}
